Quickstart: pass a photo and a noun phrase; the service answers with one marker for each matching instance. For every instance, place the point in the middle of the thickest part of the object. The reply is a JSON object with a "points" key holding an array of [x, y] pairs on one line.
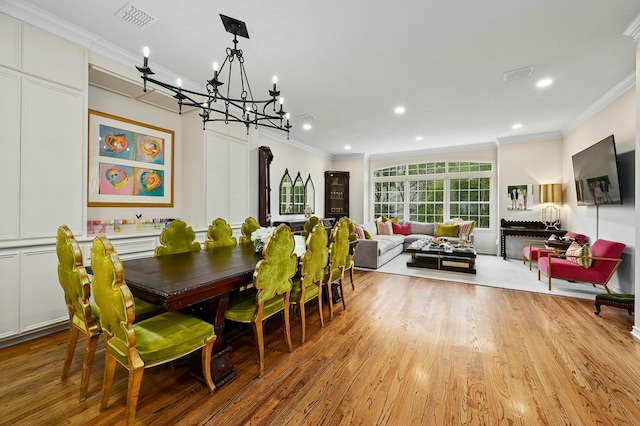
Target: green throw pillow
{"points": [[367, 235], [446, 230]]}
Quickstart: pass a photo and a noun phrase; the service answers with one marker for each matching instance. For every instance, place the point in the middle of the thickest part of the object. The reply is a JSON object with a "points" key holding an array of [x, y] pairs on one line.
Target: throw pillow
{"points": [[576, 249], [359, 231], [384, 228], [367, 235], [398, 229], [395, 219], [443, 230], [422, 228], [466, 227]]}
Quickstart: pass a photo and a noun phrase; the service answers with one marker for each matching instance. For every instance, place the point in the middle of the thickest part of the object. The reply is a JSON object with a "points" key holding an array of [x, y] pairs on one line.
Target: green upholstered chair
{"points": [[177, 238], [136, 346], [353, 242], [334, 272], [249, 225], [308, 284], [83, 316], [219, 234], [310, 224], [271, 289]]}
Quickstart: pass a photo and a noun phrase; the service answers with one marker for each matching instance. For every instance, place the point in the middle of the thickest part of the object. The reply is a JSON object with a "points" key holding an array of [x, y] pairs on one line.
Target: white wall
{"points": [[616, 223]]}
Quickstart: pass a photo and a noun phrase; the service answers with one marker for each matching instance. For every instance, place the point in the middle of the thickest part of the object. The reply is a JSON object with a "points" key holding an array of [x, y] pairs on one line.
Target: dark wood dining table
{"points": [[198, 283]]}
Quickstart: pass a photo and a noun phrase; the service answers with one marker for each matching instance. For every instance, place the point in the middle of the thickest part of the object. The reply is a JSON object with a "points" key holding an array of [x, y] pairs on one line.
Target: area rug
{"points": [[493, 271]]}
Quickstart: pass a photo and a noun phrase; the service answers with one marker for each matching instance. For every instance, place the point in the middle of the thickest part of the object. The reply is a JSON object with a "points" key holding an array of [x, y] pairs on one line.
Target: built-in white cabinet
{"points": [[43, 81]]}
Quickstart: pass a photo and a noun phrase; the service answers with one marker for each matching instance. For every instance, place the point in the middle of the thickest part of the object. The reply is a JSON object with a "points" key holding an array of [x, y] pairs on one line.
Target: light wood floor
{"points": [[407, 351]]}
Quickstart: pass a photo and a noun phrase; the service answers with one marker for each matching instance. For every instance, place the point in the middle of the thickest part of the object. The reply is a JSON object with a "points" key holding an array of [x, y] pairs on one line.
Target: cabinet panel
{"points": [[9, 41], [336, 194], [10, 300], [53, 58], [41, 296], [227, 182], [10, 158], [52, 158]]}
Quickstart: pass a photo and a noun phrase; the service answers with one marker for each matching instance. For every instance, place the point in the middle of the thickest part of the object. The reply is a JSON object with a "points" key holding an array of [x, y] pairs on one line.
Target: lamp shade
{"points": [[551, 193]]}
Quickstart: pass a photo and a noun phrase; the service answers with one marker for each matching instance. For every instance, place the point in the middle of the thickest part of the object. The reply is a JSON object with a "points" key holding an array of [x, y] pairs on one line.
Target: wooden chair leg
{"points": [[302, 320], [133, 391], [287, 325], [109, 371], [320, 306], [71, 347], [206, 363], [257, 331], [89, 352], [353, 286]]}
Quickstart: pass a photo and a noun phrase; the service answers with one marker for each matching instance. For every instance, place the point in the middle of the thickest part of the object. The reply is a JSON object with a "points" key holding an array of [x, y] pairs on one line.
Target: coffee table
{"points": [[443, 258]]}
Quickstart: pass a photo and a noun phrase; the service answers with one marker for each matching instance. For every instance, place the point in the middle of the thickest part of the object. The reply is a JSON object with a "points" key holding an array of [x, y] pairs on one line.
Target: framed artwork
{"points": [[130, 163], [520, 197]]}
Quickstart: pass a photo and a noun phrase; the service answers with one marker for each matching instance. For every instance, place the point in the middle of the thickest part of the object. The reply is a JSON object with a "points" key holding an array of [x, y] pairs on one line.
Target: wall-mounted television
{"points": [[595, 171]]}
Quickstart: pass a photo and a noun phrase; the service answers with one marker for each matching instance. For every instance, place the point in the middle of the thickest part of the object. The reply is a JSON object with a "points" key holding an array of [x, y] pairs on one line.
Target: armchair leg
{"points": [[89, 352], [71, 347]]}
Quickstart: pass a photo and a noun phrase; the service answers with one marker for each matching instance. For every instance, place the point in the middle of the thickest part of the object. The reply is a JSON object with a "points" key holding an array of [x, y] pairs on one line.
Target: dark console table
{"points": [[524, 228]]}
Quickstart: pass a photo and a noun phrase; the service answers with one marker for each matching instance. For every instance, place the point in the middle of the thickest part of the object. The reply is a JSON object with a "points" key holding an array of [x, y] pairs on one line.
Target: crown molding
{"points": [[532, 137], [439, 150], [618, 90], [278, 136], [633, 30]]}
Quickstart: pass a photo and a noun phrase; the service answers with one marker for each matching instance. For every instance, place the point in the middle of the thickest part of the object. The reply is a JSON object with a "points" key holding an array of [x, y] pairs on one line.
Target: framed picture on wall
{"points": [[520, 197], [130, 163]]}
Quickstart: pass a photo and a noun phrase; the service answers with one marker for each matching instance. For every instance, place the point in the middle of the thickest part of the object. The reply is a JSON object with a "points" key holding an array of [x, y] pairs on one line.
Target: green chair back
{"points": [[273, 274], [220, 234], [177, 238], [338, 252], [310, 224], [83, 315], [248, 227]]}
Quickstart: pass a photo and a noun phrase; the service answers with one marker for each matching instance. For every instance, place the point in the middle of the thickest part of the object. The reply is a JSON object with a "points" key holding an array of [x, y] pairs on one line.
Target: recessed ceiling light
{"points": [[399, 110], [306, 126], [544, 82], [347, 147], [419, 138], [516, 126]]}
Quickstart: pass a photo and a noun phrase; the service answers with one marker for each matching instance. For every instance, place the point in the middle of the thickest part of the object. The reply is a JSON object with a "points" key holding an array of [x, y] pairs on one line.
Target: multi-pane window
{"points": [[447, 193], [470, 200], [426, 200], [388, 199]]}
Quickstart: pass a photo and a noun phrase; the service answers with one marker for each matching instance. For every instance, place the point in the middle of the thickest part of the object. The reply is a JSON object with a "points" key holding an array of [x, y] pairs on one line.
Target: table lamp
{"points": [[551, 193]]}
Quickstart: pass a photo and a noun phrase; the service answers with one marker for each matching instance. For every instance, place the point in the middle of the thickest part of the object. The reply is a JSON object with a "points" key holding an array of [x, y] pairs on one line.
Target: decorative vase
{"points": [[258, 246]]}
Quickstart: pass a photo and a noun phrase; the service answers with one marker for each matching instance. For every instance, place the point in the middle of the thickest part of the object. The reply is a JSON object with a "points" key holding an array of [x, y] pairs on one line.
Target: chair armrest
{"points": [[609, 259]]}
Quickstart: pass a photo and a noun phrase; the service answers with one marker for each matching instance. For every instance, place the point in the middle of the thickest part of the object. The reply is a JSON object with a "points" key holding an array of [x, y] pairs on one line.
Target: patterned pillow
{"points": [[576, 249], [359, 231], [384, 228]]}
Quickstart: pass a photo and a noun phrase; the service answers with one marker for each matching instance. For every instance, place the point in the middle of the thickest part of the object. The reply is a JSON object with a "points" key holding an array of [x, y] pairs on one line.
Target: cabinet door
{"points": [[52, 158], [10, 158], [10, 300], [336, 194]]}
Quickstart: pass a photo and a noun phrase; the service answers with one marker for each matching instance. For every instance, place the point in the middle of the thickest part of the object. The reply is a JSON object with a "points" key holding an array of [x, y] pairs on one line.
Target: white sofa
{"points": [[381, 249]]}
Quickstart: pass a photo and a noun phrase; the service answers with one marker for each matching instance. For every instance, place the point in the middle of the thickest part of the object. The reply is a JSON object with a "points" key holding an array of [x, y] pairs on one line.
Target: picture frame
{"points": [[130, 163], [520, 197]]}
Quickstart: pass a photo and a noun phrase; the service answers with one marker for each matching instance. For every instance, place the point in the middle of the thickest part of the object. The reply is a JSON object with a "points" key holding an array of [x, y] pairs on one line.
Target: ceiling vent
{"points": [[133, 15], [306, 117], [517, 74]]}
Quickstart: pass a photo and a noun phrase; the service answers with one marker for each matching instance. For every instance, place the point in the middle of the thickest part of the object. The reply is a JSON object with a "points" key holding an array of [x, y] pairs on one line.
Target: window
{"points": [[434, 192]]}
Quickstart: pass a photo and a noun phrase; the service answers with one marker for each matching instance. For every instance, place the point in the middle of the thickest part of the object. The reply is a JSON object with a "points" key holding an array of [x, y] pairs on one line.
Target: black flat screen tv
{"points": [[595, 171]]}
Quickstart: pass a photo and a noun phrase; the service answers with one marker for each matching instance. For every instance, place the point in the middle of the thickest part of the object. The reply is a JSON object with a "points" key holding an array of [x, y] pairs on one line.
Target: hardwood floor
{"points": [[406, 351]]}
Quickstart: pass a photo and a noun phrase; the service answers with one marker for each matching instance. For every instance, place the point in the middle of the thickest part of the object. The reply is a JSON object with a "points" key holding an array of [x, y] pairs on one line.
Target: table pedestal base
{"points": [[221, 367]]}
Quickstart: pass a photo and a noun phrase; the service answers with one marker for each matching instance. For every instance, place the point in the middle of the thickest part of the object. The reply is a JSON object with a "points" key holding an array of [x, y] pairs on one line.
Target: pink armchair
{"points": [[532, 250], [605, 257]]}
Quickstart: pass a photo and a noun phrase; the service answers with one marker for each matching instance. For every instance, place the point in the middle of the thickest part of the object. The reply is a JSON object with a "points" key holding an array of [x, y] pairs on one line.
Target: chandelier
{"points": [[219, 105]]}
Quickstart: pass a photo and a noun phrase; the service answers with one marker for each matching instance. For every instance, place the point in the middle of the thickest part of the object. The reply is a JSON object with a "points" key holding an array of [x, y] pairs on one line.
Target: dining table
{"points": [[198, 283]]}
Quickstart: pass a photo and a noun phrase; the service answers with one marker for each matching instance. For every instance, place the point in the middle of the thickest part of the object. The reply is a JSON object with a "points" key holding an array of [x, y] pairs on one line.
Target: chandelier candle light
{"points": [[219, 106]]}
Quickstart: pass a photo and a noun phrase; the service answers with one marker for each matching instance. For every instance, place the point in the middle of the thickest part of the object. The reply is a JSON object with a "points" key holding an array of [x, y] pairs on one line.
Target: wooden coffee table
{"points": [[456, 259]]}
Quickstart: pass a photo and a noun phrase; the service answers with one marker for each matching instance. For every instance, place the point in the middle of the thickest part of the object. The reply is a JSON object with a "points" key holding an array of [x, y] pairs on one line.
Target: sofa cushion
{"points": [[370, 227], [422, 228], [388, 242], [443, 230]]}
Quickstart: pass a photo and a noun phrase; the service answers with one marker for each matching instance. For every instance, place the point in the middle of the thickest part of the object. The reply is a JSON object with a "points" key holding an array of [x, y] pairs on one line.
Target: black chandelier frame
{"points": [[216, 105]]}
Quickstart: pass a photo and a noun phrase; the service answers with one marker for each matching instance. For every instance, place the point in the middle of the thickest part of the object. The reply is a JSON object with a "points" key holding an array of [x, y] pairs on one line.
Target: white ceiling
{"points": [[350, 63]]}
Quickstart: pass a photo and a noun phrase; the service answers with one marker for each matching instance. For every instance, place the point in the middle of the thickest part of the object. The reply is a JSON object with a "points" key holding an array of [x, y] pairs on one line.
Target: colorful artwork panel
{"points": [[116, 179], [116, 143], [149, 149], [149, 182]]}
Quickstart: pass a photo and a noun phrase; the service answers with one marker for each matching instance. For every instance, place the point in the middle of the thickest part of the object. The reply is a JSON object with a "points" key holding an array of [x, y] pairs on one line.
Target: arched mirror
{"points": [[298, 195], [309, 196], [286, 194]]}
